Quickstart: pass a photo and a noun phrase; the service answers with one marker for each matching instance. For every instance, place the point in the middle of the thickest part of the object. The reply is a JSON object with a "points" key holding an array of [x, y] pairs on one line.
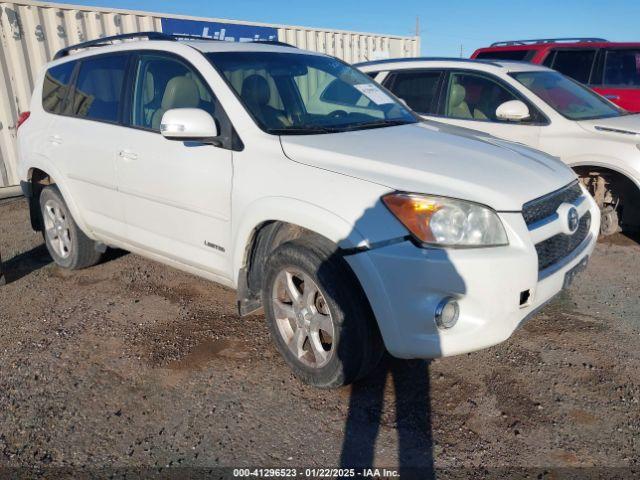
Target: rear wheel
{"points": [[68, 246], [318, 315]]}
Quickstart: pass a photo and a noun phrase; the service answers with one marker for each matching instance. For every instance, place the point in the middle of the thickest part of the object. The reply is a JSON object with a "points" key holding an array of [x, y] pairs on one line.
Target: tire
{"points": [[69, 247], [353, 348]]}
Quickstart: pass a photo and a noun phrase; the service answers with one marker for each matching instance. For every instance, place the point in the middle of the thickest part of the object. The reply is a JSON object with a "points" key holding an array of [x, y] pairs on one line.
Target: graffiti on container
{"points": [[230, 32]]}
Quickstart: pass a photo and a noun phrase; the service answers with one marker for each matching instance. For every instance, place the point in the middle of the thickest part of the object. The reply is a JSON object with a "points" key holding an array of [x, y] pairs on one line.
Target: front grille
{"points": [[544, 207], [559, 246]]}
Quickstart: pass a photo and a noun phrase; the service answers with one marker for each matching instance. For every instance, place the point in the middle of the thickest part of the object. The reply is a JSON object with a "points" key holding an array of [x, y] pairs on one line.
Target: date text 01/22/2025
{"points": [[315, 473]]}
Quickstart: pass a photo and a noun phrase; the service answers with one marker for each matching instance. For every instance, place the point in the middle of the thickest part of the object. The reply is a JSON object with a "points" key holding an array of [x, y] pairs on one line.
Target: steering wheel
{"points": [[338, 114]]}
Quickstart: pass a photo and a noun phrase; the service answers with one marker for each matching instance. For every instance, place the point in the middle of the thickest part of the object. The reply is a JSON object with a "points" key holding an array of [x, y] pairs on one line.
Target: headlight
{"points": [[447, 222]]}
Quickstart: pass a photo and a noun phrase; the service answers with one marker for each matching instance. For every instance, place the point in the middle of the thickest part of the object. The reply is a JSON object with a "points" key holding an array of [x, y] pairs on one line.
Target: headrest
{"points": [[255, 89], [181, 92], [149, 91], [458, 95]]}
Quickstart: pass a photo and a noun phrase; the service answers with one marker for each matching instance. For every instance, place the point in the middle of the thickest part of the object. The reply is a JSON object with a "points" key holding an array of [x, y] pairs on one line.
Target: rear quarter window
{"points": [[622, 68], [56, 86]]}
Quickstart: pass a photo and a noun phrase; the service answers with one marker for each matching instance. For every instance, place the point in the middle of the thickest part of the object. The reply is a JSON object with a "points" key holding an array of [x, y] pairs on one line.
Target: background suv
{"points": [[300, 182], [610, 68]]}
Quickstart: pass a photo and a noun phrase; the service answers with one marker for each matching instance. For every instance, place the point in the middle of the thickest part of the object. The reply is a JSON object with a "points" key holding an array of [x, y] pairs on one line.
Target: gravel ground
{"points": [[131, 364]]}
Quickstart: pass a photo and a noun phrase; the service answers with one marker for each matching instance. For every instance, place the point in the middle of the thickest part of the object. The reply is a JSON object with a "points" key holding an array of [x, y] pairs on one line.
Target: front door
{"points": [[471, 100], [177, 195]]}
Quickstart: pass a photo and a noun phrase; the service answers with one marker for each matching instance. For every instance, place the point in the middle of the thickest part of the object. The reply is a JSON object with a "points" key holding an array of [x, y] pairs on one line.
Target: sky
{"points": [[447, 27]]}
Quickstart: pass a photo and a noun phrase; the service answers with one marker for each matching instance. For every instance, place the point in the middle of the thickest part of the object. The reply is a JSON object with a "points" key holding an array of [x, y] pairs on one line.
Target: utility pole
{"points": [[460, 50]]}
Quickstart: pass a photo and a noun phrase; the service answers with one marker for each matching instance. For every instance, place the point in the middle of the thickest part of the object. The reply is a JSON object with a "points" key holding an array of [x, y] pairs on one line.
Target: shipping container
{"points": [[32, 32]]}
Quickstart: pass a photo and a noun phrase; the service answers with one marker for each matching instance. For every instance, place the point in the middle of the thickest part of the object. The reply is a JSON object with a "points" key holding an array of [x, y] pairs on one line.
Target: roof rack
{"points": [[426, 59], [274, 42], [101, 42], [510, 43]]}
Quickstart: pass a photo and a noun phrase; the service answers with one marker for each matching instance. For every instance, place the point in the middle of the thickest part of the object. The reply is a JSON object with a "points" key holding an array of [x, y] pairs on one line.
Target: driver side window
{"points": [[163, 83], [475, 97]]}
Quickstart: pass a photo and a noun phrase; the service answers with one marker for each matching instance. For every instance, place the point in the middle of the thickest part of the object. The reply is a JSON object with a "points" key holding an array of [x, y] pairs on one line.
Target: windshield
{"points": [[568, 97], [291, 93]]}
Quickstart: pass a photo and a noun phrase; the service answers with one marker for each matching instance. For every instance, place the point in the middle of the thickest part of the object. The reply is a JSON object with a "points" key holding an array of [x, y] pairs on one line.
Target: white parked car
{"points": [[538, 107], [294, 178]]}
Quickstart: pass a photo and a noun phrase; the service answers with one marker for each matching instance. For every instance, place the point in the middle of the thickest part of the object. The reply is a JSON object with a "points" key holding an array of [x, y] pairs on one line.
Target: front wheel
{"points": [[68, 245], [318, 315]]}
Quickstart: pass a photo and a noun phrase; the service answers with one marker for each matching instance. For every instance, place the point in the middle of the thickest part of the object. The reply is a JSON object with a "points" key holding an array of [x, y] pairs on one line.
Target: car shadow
{"points": [[24, 264]]}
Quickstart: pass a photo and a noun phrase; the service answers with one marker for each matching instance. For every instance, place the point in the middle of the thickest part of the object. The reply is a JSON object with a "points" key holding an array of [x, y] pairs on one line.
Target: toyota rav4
{"points": [[295, 179]]}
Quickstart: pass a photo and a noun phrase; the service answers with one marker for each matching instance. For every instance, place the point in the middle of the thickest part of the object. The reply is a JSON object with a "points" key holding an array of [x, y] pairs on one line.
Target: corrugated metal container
{"points": [[32, 32]]}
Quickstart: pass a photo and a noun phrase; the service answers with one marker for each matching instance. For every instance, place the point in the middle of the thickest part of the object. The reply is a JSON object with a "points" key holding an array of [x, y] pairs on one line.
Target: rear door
{"points": [[618, 77], [82, 138], [177, 194]]}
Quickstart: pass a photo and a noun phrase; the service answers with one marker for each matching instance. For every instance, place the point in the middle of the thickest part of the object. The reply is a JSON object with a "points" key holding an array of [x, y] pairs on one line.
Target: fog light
{"points": [[447, 313]]}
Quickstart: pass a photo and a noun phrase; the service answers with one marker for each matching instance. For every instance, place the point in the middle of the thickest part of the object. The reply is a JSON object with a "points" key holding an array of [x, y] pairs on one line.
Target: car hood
{"points": [[434, 159], [624, 127]]}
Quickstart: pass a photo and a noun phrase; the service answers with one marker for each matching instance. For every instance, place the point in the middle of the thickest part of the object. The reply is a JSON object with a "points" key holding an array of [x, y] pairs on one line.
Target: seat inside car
{"points": [[256, 92], [181, 92], [458, 107]]}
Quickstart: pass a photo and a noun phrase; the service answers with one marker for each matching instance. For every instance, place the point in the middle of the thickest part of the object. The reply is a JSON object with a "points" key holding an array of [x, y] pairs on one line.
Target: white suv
{"points": [[297, 180], [538, 107]]}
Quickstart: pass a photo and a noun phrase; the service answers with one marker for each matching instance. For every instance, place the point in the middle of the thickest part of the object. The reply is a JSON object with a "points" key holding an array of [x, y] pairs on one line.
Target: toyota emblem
{"points": [[573, 219]]}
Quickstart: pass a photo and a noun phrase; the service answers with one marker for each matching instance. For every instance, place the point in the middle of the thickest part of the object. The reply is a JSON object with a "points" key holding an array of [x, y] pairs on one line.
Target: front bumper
{"points": [[405, 284]]}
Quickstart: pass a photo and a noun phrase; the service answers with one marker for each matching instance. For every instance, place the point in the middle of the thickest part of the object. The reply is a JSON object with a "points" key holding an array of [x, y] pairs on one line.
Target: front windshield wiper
{"points": [[317, 129], [300, 130], [376, 124]]}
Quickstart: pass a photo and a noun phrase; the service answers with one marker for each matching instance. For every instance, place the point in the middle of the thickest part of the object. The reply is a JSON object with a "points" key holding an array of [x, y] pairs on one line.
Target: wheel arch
{"points": [[618, 180], [38, 177], [272, 222]]}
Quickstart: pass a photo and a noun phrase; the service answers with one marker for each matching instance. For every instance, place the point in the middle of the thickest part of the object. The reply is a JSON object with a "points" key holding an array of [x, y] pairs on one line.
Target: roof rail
{"points": [[509, 43], [274, 42], [101, 42], [426, 59]]}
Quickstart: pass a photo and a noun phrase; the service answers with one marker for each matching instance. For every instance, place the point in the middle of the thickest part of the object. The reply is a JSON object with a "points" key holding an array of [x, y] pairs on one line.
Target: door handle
{"points": [[127, 155], [611, 96], [55, 140]]}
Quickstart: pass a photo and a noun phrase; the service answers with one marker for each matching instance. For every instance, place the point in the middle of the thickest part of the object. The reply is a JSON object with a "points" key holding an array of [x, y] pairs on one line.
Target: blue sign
{"points": [[230, 32]]}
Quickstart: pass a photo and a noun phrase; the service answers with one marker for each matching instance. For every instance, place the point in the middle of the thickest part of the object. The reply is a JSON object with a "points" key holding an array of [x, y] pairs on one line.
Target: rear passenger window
{"points": [[574, 63], [164, 83], [418, 89], [98, 88], [56, 84]]}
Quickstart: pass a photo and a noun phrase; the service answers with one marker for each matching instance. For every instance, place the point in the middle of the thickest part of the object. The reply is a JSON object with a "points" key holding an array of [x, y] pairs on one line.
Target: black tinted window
{"points": [[575, 63], [418, 89], [56, 84], [622, 67], [98, 88], [506, 55]]}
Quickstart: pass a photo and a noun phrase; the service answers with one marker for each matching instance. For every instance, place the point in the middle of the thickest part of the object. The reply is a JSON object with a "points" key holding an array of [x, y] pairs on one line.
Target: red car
{"points": [[610, 68]]}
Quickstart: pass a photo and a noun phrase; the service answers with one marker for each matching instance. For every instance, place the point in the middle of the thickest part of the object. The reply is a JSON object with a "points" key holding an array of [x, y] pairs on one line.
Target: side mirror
{"points": [[513, 111], [189, 124]]}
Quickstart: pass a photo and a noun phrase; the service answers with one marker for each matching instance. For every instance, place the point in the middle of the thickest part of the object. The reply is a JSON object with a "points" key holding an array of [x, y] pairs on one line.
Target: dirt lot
{"points": [[133, 364]]}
